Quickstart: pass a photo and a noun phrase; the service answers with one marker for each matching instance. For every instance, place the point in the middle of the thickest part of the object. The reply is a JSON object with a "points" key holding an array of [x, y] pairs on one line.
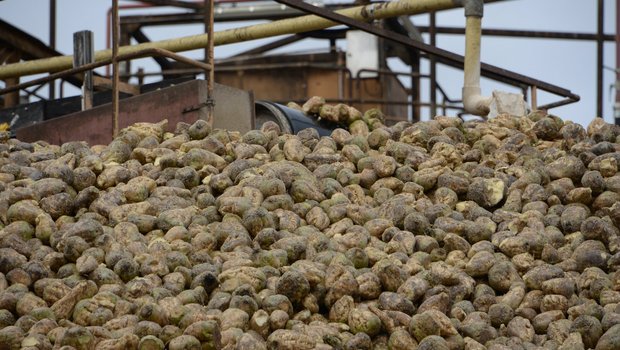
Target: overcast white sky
{"points": [[569, 64]]}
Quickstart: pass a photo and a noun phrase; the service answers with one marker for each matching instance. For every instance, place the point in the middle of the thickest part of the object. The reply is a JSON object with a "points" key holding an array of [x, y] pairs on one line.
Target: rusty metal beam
{"points": [[534, 34], [115, 70], [433, 64], [599, 59], [175, 3], [30, 47], [617, 83]]}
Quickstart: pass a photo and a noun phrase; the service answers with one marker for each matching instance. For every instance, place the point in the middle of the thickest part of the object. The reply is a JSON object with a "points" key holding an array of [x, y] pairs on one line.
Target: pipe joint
{"points": [[473, 8], [474, 102]]}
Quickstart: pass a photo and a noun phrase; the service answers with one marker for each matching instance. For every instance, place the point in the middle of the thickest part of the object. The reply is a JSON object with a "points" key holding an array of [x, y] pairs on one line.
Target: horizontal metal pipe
{"points": [[259, 31]]}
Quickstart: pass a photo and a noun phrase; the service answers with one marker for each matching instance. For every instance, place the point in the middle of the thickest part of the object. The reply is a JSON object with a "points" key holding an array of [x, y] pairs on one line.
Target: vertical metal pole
{"points": [[617, 104], [599, 60], [534, 96], [433, 38], [444, 110], [124, 66], [209, 74], [115, 40], [52, 93], [332, 45], [12, 98], [415, 85], [140, 75], [341, 64], [84, 53]]}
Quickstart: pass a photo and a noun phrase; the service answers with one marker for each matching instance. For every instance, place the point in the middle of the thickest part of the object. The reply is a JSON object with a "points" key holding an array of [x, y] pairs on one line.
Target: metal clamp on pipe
{"points": [[473, 101]]}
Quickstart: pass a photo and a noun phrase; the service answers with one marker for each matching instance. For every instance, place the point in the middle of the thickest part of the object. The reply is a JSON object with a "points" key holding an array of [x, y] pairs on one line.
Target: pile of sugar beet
{"points": [[442, 234]]}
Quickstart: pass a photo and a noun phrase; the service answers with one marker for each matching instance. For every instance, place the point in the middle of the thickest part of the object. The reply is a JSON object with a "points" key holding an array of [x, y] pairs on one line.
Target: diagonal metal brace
{"points": [[369, 28]]}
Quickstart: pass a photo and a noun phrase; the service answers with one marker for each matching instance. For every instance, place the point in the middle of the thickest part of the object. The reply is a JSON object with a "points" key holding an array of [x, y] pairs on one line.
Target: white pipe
{"points": [[473, 101]]}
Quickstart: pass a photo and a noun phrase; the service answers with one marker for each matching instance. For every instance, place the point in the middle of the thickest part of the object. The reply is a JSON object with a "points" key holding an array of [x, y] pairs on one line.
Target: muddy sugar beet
{"points": [[441, 234]]}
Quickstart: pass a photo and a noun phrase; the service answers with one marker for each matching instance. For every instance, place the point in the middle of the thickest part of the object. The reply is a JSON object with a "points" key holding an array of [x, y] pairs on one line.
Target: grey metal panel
{"points": [[234, 109]]}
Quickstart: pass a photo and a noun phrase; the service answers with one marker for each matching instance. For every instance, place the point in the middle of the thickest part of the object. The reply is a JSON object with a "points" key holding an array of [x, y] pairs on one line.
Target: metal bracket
{"points": [[207, 103], [473, 8]]}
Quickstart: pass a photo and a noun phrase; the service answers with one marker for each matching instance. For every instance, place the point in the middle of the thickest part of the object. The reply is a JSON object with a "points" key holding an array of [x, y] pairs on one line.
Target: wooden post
{"points": [[84, 53]]}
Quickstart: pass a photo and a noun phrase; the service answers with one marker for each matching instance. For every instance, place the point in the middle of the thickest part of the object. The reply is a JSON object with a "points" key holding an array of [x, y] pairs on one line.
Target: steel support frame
{"points": [[433, 63], [578, 36], [190, 17], [617, 82], [140, 37], [443, 56], [599, 58], [29, 47]]}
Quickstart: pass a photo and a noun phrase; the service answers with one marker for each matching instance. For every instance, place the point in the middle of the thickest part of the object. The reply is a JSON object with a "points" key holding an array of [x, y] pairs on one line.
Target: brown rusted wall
{"points": [[233, 110]]}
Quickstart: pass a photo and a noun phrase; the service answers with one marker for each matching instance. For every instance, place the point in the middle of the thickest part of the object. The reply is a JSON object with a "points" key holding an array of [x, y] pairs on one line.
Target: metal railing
{"points": [[441, 55]]}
